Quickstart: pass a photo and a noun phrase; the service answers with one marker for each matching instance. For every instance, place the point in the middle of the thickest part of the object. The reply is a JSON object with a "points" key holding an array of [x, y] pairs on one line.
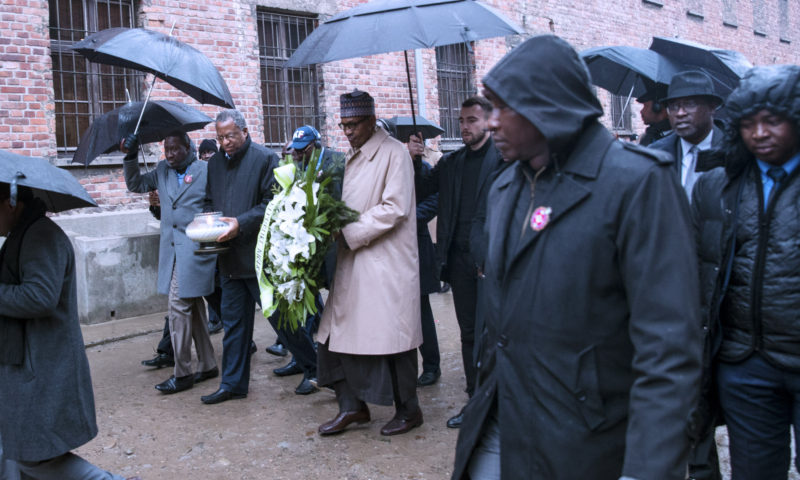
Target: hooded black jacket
{"points": [[717, 224], [590, 354]]}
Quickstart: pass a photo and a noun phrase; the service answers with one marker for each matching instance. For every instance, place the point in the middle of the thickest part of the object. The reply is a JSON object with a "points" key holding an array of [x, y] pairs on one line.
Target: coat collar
{"points": [[370, 147], [556, 190]]}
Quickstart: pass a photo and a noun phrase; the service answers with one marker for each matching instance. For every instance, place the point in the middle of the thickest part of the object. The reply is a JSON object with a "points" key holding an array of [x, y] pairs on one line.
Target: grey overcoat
{"points": [[179, 204], [47, 401]]}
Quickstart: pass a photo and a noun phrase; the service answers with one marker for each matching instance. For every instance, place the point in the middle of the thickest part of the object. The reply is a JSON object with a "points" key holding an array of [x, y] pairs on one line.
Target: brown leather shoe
{"points": [[338, 424], [399, 425]]}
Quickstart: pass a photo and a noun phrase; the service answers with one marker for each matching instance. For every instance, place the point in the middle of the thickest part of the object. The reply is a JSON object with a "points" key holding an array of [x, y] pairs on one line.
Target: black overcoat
{"points": [[592, 340], [445, 179]]}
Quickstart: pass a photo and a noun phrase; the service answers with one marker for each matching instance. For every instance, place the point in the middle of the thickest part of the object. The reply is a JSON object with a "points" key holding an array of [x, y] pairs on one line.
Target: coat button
{"points": [[174, 207], [502, 341], [174, 226], [172, 244], [581, 396]]}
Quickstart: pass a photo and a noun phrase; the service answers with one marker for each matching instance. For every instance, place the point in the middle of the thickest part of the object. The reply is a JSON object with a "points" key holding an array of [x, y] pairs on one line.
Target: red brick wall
{"points": [[226, 32], [26, 85]]}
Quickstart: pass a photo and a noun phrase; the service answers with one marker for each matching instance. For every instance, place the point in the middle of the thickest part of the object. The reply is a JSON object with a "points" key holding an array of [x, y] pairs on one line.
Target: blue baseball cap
{"points": [[303, 136]]}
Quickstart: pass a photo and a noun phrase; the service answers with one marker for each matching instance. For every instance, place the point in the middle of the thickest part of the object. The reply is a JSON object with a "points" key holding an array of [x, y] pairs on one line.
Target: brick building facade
{"points": [[42, 115]]}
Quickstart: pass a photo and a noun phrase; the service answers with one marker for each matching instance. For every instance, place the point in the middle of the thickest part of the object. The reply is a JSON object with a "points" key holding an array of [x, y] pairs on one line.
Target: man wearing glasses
{"points": [[240, 186], [370, 327], [691, 103]]}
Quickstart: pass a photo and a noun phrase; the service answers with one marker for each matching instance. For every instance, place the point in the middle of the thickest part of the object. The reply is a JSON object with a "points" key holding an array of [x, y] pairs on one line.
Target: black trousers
{"points": [[429, 350], [463, 276]]}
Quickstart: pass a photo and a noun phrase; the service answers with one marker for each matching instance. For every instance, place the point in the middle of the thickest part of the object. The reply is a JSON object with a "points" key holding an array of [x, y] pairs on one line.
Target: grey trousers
{"points": [[188, 320], [485, 461]]}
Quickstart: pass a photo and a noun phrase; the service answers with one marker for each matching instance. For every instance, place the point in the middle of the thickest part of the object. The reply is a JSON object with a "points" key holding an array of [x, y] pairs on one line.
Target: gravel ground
{"points": [[273, 432]]}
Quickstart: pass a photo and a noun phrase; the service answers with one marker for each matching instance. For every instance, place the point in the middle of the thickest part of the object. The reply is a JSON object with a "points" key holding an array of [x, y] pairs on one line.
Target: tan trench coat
{"points": [[373, 307]]}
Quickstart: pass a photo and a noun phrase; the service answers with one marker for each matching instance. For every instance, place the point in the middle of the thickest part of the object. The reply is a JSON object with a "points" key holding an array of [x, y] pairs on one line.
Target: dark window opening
{"points": [[84, 90], [454, 73], [289, 96]]}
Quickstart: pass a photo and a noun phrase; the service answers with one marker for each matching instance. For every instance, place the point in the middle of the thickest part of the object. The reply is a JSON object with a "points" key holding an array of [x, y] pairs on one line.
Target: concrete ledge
{"points": [[116, 264]]}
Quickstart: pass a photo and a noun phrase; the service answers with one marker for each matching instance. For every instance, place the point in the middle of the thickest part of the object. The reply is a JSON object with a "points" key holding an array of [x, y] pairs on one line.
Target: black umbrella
{"points": [[57, 187], [404, 127], [628, 71], [160, 118], [178, 64], [383, 26], [725, 67]]}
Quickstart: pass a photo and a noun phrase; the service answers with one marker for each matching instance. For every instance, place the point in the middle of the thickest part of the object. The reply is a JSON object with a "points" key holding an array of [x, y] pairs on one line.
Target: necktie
{"points": [[777, 174], [691, 175]]}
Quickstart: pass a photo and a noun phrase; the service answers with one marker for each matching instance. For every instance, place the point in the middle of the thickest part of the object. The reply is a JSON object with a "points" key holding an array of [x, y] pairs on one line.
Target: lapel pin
{"points": [[187, 179], [540, 218]]}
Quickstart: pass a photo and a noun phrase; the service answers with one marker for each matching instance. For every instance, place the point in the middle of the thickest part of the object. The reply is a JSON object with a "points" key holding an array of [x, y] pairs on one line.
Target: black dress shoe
{"points": [[277, 349], [159, 361], [306, 387], [344, 419], [253, 348], [214, 327], [399, 425], [201, 376], [455, 422], [221, 396], [429, 378], [175, 384], [291, 368]]}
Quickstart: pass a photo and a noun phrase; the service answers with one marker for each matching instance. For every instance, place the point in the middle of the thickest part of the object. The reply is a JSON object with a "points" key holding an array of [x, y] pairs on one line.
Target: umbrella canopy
{"points": [[57, 187], [160, 118], [725, 67], [180, 65], [404, 127], [383, 26], [629, 71]]}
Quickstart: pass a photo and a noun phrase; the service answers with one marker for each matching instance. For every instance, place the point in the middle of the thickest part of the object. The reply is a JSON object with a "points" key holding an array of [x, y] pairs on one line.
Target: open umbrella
{"points": [[404, 127], [725, 67], [175, 62], [57, 187], [628, 71], [383, 26], [160, 118]]}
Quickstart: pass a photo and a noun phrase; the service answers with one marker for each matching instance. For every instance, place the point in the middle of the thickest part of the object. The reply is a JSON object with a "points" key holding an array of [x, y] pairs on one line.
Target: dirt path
{"points": [[270, 434]]}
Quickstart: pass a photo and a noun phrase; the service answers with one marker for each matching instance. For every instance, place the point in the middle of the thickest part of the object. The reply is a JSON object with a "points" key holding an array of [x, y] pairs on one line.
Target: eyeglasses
{"points": [[688, 106], [230, 136], [352, 125]]}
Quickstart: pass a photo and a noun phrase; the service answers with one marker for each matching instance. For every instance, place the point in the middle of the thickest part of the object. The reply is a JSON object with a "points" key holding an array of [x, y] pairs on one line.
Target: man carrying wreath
{"points": [[370, 326]]}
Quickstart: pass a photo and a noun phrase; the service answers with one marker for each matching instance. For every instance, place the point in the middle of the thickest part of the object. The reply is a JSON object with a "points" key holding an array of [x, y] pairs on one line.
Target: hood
{"points": [[545, 81], [775, 88]]}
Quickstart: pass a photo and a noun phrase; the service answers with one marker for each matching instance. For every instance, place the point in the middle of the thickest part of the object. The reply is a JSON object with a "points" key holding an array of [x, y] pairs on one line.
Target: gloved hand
{"points": [[130, 145]]}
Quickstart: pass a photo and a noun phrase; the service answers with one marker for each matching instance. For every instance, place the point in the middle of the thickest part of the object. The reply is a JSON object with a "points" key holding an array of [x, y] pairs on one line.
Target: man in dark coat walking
{"points": [[746, 224], [462, 179], [239, 185], [46, 394], [690, 104], [589, 361]]}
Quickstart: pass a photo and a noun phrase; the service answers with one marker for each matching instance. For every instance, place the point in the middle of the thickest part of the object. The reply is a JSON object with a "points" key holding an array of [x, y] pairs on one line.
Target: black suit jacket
{"points": [[672, 145], [445, 179]]}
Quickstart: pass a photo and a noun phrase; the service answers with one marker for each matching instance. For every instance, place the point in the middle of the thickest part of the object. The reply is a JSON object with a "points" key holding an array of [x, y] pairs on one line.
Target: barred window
{"points": [[454, 73], [84, 90], [289, 96], [621, 114]]}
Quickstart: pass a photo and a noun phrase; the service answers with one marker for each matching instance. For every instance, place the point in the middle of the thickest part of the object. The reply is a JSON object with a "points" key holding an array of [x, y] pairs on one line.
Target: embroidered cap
{"points": [[356, 104]]}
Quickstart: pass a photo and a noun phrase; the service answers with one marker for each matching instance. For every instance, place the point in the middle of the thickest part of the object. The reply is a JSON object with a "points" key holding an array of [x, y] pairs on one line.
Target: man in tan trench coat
{"points": [[370, 327]]}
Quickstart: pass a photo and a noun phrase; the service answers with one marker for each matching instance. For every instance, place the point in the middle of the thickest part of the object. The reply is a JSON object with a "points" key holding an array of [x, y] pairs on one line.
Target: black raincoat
{"points": [[591, 348]]}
